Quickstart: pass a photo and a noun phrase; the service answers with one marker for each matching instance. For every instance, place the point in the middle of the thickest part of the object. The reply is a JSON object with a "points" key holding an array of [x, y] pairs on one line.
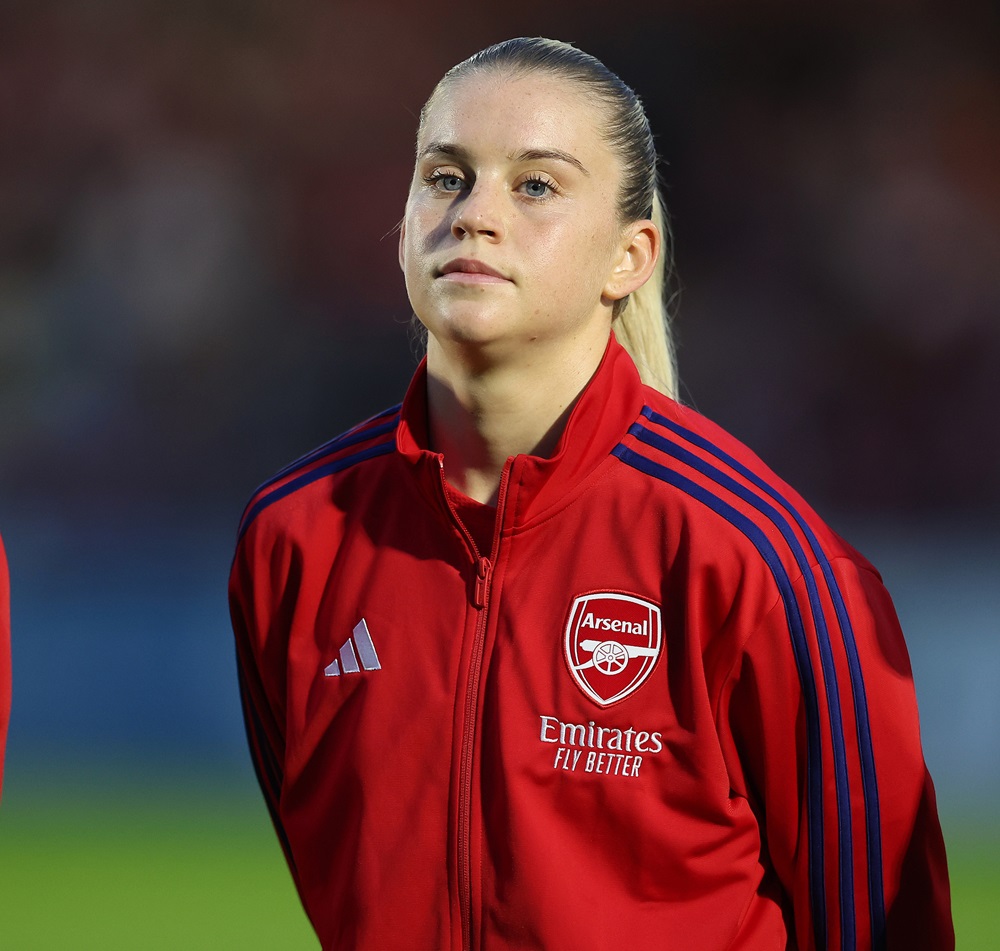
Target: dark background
{"points": [[198, 283]]}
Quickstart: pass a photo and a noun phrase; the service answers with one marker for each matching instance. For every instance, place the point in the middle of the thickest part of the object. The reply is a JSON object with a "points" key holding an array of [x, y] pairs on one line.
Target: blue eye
{"points": [[536, 188], [445, 182]]}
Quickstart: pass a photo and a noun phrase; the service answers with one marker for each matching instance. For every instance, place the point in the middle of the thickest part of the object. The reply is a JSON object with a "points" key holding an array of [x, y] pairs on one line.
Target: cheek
{"points": [[560, 241], [428, 223], [410, 260], [414, 227], [417, 241], [576, 259]]}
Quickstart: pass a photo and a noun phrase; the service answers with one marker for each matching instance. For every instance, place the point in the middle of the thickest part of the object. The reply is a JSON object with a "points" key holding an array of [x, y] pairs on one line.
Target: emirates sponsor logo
{"points": [[604, 750], [612, 644]]}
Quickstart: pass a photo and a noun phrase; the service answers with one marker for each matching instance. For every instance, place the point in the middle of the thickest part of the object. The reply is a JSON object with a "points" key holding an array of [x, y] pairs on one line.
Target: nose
{"points": [[479, 213]]}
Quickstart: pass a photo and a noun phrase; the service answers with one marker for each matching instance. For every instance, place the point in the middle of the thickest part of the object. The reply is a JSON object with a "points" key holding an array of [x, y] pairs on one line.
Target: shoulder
{"points": [[731, 488], [294, 483]]}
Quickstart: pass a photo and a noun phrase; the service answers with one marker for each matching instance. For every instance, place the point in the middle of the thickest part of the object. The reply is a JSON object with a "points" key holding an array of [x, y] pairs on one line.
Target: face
{"points": [[511, 233]]}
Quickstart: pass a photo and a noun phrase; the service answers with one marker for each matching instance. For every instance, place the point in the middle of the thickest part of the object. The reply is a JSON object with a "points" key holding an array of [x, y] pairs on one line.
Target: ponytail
{"points": [[643, 324]]}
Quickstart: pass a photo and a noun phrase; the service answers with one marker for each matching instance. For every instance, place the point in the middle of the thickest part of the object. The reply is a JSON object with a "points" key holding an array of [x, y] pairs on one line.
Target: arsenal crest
{"points": [[612, 643]]}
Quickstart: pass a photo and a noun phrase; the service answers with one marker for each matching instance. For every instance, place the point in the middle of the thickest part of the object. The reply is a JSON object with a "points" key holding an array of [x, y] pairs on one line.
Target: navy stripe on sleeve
{"points": [[265, 763], [262, 498], [800, 649], [357, 434], [846, 869], [868, 777]]}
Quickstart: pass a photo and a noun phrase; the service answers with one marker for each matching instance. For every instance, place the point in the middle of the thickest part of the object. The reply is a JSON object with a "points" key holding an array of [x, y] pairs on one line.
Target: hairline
{"points": [[512, 70]]}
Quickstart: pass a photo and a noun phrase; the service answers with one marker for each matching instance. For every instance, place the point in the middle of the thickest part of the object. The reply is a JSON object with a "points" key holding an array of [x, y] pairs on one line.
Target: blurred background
{"points": [[198, 283]]}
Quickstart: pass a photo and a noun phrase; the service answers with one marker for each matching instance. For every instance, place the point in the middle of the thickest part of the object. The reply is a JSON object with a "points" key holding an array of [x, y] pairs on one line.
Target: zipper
{"points": [[480, 600], [484, 571]]}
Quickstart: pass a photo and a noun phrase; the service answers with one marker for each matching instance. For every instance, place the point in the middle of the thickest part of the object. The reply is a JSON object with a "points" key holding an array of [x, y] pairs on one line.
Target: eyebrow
{"points": [[525, 155]]}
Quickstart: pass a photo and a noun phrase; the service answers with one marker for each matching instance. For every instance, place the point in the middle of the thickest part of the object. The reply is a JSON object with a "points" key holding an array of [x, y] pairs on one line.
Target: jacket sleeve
{"points": [[820, 720], [260, 666], [5, 661]]}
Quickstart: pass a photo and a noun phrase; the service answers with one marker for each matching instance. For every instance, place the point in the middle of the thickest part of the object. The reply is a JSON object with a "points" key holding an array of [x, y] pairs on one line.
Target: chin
{"points": [[469, 327]]}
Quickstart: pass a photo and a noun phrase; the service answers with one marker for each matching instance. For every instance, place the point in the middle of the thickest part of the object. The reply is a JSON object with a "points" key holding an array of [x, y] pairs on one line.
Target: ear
{"points": [[402, 239], [637, 254]]}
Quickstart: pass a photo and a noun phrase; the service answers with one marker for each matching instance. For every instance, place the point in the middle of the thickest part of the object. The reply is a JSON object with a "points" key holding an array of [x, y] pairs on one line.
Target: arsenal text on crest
{"points": [[613, 624], [612, 643]]}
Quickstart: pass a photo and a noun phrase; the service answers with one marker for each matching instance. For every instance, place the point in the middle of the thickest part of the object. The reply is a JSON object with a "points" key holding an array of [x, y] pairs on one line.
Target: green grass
{"points": [[974, 867], [151, 872], [191, 872]]}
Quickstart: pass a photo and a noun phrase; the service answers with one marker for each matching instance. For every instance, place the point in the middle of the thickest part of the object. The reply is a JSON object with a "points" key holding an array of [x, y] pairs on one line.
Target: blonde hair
{"points": [[642, 324], [643, 320]]}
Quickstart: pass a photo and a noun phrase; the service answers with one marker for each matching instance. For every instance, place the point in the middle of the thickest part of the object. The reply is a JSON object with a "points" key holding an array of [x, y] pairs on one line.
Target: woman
{"points": [[542, 659]]}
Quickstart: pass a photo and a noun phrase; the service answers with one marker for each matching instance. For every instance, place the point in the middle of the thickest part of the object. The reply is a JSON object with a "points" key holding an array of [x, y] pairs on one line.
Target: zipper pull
{"points": [[483, 569]]}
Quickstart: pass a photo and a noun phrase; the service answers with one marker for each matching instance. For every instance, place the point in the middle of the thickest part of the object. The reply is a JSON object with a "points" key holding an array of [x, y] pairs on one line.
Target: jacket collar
{"points": [[608, 405]]}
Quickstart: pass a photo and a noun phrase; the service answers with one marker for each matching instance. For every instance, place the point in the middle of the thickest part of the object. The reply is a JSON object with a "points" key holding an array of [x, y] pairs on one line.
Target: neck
{"points": [[482, 414]]}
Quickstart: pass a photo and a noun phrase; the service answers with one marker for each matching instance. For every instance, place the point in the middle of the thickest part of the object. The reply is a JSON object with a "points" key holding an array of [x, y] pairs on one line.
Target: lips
{"points": [[472, 271]]}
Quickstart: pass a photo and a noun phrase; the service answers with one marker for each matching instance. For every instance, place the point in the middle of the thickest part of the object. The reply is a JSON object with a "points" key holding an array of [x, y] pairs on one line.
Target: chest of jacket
{"points": [[538, 722]]}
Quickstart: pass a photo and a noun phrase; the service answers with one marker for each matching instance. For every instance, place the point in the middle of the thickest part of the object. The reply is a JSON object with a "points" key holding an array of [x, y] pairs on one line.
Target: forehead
{"points": [[489, 111]]}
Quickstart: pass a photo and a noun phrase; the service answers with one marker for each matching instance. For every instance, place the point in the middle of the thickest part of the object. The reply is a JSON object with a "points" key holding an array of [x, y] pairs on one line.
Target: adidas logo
{"points": [[348, 663]]}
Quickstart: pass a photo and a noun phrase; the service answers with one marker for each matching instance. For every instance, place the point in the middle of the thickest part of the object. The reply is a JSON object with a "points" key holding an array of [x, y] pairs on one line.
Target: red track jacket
{"points": [[668, 708]]}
